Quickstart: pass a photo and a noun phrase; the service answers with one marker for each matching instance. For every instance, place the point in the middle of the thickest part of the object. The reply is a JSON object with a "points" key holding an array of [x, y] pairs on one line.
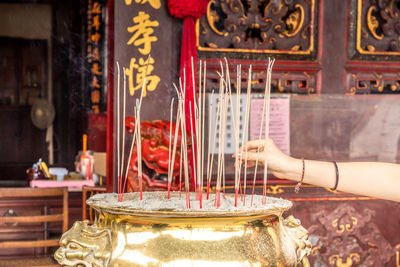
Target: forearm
{"points": [[381, 180], [375, 179]]}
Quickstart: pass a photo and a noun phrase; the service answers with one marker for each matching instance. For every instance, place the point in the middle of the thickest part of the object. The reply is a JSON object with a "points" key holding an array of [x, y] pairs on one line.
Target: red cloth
{"points": [[188, 51], [189, 10], [185, 8]]}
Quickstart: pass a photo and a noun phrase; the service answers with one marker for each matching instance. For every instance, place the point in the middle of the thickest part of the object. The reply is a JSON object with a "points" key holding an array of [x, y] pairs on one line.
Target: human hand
{"points": [[262, 151]]}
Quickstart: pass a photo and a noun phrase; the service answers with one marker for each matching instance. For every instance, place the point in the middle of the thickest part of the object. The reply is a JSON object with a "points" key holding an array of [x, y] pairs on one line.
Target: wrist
{"points": [[294, 169]]}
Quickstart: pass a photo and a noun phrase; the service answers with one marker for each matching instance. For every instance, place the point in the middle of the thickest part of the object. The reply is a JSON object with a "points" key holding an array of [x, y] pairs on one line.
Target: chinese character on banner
{"points": [[142, 31], [95, 99], [96, 22], [95, 82], [95, 96], [156, 4], [96, 8], [96, 37], [95, 69], [95, 55], [139, 70], [95, 30]]}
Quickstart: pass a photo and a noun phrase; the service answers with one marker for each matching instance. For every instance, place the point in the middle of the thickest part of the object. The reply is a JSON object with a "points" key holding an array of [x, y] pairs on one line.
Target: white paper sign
{"points": [[279, 121]]}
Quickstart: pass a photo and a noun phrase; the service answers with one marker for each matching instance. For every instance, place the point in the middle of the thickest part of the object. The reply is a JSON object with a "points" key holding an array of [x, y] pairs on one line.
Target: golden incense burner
{"points": [[160, 234]]}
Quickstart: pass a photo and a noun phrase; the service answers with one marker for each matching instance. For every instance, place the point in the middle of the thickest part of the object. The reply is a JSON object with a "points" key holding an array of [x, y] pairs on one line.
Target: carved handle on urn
{"points": [[299, 236], [305, 262], [84, 245]]}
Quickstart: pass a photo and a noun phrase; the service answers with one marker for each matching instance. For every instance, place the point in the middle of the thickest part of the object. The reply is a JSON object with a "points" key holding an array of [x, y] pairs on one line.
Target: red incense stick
{"points": [[236, 196], [208, 189]]}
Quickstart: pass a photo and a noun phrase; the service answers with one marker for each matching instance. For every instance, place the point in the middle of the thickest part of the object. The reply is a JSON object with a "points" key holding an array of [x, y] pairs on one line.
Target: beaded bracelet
{"points": [[297, 188]]}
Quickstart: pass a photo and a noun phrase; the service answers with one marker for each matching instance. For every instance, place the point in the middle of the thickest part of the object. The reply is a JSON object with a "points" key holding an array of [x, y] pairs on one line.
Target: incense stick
{"points": [[130, 157], [118, 132], [139, 148], [223, 141], [218, 189], [237, 132], [220, 139], [202, 132], [267, 107], [258, 150], [210, 109], [174, 150], [194, 145], [192, 137], [180, 172], [121, 187], [183, 122], [185, 159], [123, 133], [178, 118], [214, 140], [267, 81], [235, 128], [191, 128], [228, 83], [213, 145], [246, 130], [198, 135], [170, 167]]}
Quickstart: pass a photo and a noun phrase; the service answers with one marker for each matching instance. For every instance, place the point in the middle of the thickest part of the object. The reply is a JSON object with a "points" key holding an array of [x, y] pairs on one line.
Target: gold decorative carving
{"points": [[370, 48], [212, 18], [377, 28], [348, 236], [204, 28], [373, 82], [294, 21], [84, 245], [295, 48], [352, 91], [278, 27], [373, 23], [345, 227], [274, 189], [299, 236], [333, 191], [398, 255], [337, 260], [314, 250], [297, 82]]}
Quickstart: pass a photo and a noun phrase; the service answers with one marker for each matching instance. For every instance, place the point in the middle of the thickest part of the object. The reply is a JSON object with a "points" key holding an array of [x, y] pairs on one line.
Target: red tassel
{"points": [[187, 8]]}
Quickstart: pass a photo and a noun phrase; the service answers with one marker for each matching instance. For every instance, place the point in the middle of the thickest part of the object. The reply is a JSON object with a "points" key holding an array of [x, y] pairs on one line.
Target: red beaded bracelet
{"points": [[297, 188]]}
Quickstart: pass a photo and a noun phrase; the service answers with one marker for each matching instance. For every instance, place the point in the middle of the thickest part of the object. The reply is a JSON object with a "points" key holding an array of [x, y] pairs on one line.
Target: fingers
{"points": [[250, 156], [252, 145], [251, 164]]}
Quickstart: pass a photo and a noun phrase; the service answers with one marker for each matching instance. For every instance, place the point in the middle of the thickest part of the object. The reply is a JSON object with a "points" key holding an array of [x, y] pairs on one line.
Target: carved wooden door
{"points": [[323, 48]]}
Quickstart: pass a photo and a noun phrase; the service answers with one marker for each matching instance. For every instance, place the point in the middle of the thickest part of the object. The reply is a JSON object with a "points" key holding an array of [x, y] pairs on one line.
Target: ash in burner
{"points": [[157, 201]]}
